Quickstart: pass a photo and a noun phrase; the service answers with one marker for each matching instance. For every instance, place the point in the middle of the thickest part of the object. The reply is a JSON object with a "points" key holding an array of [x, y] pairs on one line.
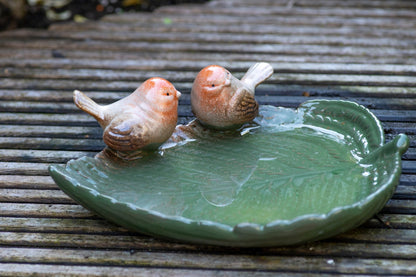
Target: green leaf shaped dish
{"points": [[290, 177]]}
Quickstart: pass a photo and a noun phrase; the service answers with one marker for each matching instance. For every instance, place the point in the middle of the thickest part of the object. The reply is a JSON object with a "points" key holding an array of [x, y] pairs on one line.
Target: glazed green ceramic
{"points": [[292, 176]]}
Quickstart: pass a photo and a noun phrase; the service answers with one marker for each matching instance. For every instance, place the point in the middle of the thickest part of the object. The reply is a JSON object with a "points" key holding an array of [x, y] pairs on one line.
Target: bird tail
{"points": [[88, 105], [257, 74]]}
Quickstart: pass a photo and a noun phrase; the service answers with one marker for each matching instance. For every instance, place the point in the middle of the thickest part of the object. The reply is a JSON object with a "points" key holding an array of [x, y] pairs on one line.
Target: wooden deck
{"points": [[363, 51]]}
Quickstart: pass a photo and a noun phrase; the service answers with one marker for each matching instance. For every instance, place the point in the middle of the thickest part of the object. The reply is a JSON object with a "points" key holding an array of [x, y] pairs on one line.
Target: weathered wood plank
{"points": [[290, 18], [45, 113], [44, 210], [175, 76], [190, 36], [252, 48], [50, 131], [56, 96], [395, 115], [72, 240], [20, 117], [34, 84], [321, 3], [195, 66], [220, 261], [34, 143], [339, 249], [408, 180], [222, 8], [59, 225], [44, 196], [379, 235], [53, 108], [402, 206], [411, 151], [163, 260], [214, 57], [396, 221], [405, 192], [16, 168], [44, 156], [17, 269], [23, 182], [399, 127], [299, 26], [408, 167], [298, 87]]}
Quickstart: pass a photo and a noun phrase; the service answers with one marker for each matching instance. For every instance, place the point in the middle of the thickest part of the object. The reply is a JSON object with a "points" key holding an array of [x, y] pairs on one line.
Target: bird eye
{"points": [[167, 93], [213, 85]]}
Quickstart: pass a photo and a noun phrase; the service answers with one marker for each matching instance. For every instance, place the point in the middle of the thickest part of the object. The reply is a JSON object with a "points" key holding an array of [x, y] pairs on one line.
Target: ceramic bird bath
{"points": [[288, 177]]}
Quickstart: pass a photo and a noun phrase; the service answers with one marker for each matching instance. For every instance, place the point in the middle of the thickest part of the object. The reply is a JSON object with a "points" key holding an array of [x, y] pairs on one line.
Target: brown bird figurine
{"points": [[144, 119], [221, 101]]}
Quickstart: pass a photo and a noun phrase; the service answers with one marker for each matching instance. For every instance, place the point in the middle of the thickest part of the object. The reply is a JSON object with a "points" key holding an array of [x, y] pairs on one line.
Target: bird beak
{"points": [[178, 94]]}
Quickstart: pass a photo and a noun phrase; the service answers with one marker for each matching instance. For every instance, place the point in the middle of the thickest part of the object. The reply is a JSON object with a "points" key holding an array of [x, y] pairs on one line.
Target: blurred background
{"points": [[41, 13]]}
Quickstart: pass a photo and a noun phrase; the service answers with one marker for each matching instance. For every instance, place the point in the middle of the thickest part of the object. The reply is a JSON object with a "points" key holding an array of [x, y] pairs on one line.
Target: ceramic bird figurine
{"points": [[221, 101], [144, 119]]}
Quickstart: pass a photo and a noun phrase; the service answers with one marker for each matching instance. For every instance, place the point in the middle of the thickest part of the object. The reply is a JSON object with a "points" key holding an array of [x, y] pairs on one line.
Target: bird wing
{"points": [[247, 107], [126, 133]]}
